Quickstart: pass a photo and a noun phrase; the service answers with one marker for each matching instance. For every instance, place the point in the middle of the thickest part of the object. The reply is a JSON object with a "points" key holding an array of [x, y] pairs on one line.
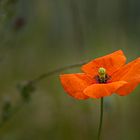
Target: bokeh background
{"points": [[38, 36]]}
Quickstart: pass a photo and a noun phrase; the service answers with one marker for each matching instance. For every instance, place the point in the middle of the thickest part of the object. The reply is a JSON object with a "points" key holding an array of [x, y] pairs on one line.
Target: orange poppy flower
{"points": [[103, 76]]}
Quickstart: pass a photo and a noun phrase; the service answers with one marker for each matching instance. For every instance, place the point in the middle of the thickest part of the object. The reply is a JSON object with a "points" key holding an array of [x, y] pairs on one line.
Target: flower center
{"points": [[102, 76]]}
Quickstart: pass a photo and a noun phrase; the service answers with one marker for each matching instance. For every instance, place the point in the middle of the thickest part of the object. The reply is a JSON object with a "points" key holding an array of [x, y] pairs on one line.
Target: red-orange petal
{"points": [[129, 73], [110, 62], [101, 90], [127, 89], [74, 84]]}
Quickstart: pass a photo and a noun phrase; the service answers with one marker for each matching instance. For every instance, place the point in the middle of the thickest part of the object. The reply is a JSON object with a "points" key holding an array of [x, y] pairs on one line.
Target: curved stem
{"points": [[36, 80], [43, 76], [101, 118]]}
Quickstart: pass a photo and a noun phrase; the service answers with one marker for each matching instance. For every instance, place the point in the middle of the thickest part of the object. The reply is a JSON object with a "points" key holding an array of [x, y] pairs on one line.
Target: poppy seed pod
{"points": [[102, 72]]}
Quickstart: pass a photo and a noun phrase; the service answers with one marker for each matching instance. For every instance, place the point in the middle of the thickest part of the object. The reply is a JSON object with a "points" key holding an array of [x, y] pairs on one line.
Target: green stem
{"points": [[36, 80], [45, 75], [101, 119]]}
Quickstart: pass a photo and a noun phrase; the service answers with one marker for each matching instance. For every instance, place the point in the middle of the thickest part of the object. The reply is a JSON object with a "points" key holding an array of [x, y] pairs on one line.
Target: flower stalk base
{"points": [[101, 118]]}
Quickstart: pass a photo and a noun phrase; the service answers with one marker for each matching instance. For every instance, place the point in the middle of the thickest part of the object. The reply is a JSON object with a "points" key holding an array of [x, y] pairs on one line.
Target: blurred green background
{"points": [[37, 36]]}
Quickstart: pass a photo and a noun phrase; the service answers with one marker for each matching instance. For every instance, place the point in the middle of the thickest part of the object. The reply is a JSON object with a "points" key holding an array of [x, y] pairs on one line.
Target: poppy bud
{"points": [[26, 88]]}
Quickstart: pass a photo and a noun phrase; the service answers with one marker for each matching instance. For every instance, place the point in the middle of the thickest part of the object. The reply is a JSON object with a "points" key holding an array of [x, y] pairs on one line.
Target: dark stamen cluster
{"points": [[101, 79]]}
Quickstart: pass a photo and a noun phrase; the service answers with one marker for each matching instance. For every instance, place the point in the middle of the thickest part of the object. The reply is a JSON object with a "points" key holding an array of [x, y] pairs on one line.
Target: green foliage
{"points": [[6, 109], [26, 89]]}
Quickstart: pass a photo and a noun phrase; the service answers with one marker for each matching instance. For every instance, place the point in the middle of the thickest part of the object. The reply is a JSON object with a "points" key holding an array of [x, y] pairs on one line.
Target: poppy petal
{"points": [[129, 72], [127, 89], [101, 90], [74, 84], [110, 62]]}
